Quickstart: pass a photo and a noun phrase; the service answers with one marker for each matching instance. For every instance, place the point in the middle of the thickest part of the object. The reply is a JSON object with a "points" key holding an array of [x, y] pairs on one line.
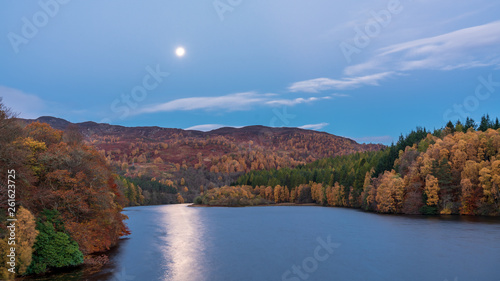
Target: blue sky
{"points": [[367, 70]]}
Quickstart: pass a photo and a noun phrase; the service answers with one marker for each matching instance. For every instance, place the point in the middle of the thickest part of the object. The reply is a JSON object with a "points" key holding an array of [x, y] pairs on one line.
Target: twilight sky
{"points": [[367, 70]]}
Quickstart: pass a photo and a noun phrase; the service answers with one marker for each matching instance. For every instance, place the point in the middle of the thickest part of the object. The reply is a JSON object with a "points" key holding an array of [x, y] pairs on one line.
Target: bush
{"points": [[53, 247], [198, 200], [428, 210]]}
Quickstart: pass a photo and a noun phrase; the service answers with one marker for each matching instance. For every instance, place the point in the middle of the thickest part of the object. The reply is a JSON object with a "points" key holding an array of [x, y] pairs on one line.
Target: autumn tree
{"points": [[180, 200], [432, 190], [390, 193], [490, 181], [26, 235], [279, 194]]}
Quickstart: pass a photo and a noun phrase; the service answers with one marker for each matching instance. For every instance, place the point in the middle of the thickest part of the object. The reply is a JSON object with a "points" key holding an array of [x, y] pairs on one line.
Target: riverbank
{"points": [[261, 205]]}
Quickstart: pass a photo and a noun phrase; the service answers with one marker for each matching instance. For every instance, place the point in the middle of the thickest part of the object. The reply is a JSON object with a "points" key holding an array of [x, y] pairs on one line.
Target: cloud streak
{"points": [[470, 47], [232, 102], [292, 102], [375, 139], [322, 84], [209, 127], [26, 105], [314, 126]]}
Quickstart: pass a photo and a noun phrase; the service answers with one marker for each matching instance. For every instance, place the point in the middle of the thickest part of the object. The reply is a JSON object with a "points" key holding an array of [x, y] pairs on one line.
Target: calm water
{"points": [[180, 243]]}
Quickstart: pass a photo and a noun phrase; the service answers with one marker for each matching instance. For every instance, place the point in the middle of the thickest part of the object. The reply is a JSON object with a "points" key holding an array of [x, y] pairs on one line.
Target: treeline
{"points": [[232, 196], [183, 187], [67, 203], [348, 170], [454, 170]]}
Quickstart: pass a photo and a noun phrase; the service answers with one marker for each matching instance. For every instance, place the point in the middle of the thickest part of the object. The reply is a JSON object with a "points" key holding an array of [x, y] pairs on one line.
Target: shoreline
{"points": [[352, 208], [263, 205]]}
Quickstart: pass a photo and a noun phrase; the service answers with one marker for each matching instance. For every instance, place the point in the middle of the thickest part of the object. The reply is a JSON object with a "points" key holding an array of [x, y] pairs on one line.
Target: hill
{"points": [[221, 150], [202, 160]]}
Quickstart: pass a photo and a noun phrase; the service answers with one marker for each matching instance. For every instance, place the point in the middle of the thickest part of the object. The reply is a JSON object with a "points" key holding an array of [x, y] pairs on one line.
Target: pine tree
{"points": [[485, 123], [469, 123], [450, 126]]}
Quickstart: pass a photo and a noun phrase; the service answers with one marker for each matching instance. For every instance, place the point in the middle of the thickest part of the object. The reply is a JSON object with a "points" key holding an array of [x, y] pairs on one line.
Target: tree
{"points": [[413, 193], [390, 193], [72, 135], [26, 236], [293, 195], [450, 126], [158, 160], [485, 123], [459, 127], [335, 195], [317, 192], [469, 123], [53, 247], [468, 203], [180, 200], [277, 194], [490, 181], [44, 133], [432, 190], [269, 193]]}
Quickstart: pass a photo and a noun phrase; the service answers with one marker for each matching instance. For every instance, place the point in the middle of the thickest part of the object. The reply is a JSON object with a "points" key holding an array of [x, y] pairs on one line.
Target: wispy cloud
{"points": [[465, 48], [314, 126], [322, 84], [26, 105], [232, 102], [292, 102], [337, 95], [375, 139], [209, 127]]}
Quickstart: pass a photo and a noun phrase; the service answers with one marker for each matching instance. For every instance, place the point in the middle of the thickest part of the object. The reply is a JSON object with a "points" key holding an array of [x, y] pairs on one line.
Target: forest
{"points": [[165, 164], [65, 199], [453, 170]]}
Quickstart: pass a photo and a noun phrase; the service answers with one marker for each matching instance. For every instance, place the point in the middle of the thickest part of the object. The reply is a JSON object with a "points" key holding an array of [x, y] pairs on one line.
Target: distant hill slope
{"points": [[156, 150]]}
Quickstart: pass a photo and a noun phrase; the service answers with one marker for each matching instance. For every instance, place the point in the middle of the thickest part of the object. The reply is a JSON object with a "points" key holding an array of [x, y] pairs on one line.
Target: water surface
{"points": [[181, 243]]}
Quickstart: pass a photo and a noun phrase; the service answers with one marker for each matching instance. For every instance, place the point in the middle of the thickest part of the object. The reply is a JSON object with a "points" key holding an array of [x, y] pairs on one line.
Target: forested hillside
{"points": [[454, 170], [170, 165], [60, 195]]}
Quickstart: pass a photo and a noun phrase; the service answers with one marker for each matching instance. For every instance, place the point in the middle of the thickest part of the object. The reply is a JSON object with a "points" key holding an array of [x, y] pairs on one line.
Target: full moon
{"points": [[180, 52]]}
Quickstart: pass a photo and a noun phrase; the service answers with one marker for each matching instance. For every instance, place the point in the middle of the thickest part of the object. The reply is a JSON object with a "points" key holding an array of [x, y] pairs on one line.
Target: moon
{"points": [[180, 51]]}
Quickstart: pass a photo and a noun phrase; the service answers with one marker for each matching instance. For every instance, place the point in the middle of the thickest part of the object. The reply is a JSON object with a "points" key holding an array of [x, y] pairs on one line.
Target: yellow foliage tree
{"points": [[390, 193], [180, 200], [26, 236], [432, 190]]}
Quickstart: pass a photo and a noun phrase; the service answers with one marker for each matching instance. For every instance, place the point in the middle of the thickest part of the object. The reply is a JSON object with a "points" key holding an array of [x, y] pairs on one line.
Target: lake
{"points": [[181, 243]]}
